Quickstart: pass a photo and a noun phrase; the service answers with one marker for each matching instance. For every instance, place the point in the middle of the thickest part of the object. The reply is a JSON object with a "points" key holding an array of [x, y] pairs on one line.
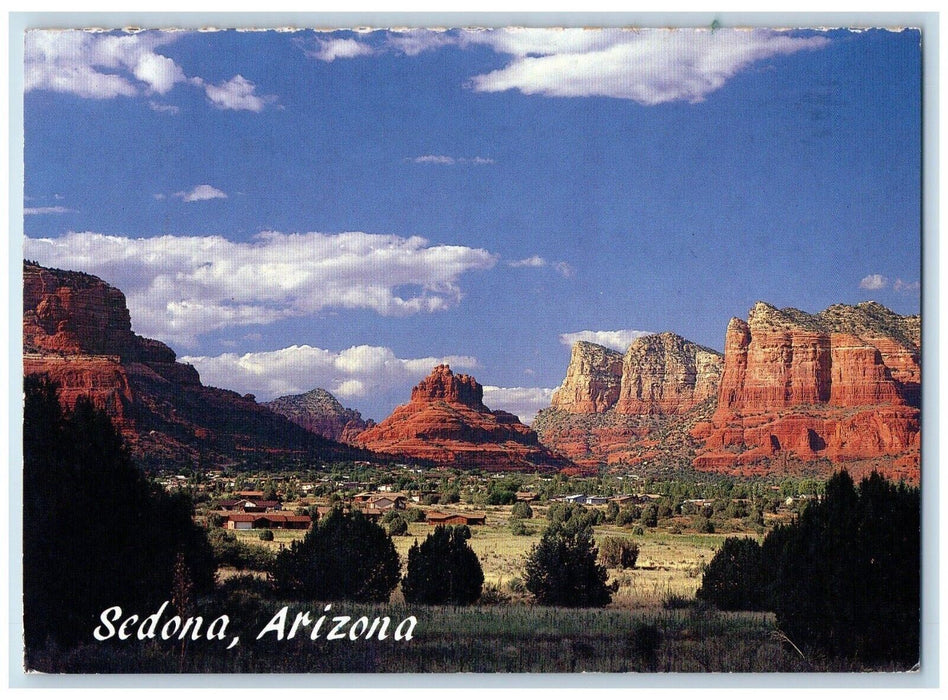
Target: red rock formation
{"points": [[446, 422], [841, 385], [77, 330]]}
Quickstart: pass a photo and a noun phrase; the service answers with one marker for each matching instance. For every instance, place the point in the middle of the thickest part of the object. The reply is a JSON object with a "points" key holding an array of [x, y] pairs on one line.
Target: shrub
{"points": [[344, 557], [266, 535], [703, 525], [562, 570], [519, 528], [443, 570], [414, 515], [618, 553], [612, 511], [628, 515], [397, 526], [650, 515], [521, 510]]}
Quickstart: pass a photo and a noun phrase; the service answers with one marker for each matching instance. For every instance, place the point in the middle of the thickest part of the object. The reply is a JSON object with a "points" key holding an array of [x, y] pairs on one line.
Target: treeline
{"points": [[843, 579]]}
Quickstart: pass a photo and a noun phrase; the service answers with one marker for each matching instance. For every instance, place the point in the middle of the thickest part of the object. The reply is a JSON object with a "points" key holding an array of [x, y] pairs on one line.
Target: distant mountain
{"points": [[446, 422], [320, 412], [77, 330]]}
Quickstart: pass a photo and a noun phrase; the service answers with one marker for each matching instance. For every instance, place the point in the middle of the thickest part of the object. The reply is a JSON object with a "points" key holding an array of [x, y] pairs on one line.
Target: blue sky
{"points": [[345, 210]]}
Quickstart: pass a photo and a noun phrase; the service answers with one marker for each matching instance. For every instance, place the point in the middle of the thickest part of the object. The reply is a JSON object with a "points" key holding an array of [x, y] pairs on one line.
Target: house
{"points": [[268, 521], [434, 517], [526, 496], [250, 494], [389, 501], [248, 506]]}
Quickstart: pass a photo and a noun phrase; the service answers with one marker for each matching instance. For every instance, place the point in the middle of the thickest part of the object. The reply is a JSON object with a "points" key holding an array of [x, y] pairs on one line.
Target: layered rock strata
{"points": [[841, 385]]}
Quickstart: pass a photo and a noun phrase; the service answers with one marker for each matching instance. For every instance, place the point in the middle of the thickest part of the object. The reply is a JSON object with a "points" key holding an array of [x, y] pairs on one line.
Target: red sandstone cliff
{"points": [[841, 385], [446, 422], [77, 330]]}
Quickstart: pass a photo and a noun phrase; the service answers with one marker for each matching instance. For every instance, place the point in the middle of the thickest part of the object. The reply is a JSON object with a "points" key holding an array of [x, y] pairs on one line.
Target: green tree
{"points": [[96, 532], [618, 552], [345, 556], [521, 510], [562, 570], [443, 570], [732, 580], [847, 574]]}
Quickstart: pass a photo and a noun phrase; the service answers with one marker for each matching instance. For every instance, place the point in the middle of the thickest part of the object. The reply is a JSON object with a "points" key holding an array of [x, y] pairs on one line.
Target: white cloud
{"points": [[412, 42], [100, 65], [201, 193], [873, 282], [432, 159], [565, 269], [532, 261], [648, 66], [523, 402], [617, 340], [179, 287], [356, 372], [32, 211], [165, 109], [330, 49], [238, 93], [901, 286]]}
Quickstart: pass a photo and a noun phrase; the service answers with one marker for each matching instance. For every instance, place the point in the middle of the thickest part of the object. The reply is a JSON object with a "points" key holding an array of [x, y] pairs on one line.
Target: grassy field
{"points": [[668, 564], [479, 639]]}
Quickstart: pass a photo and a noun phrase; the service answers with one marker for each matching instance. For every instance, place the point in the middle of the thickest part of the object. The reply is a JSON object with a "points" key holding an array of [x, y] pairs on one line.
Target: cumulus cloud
{"points": [[238, 93], [356, 372], [648, 66], [104, 65], [617, 340], [523, 402], [330, 49], [178, 287], [201, 193], [873, 282], [33, 211]]}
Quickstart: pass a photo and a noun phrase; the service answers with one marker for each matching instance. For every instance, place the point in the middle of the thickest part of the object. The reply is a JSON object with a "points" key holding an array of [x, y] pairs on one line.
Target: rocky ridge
{"points": [[320, 412], [447, 423]]}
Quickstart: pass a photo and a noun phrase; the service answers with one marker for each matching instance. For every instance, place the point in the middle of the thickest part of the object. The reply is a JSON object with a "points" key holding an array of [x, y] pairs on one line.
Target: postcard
{"points": [[472, 349]]}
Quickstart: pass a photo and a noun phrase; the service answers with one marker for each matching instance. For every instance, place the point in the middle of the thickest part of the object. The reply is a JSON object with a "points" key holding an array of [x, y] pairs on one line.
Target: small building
{"points": [[250, 494], [248, 505], [268, 521], [526, 496], [434, 517]]}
